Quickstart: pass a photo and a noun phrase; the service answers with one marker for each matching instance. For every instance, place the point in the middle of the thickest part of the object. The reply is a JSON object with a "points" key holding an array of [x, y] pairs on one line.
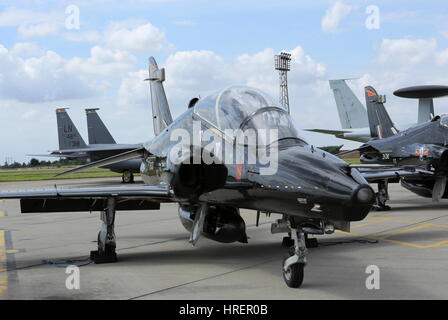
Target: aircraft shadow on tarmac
{"points": [[414, 206]]}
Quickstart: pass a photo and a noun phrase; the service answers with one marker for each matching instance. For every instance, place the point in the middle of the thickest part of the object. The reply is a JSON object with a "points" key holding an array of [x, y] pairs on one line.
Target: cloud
{"points": [[47, 76], [198, 72], [32, 23], [38, 30], [334, 16], [138, 37], [27, 50], [406, 52], [102, 62], [38, 79]]}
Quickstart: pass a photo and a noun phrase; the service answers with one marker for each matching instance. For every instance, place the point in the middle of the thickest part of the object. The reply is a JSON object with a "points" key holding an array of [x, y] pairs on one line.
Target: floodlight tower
{"points": [[283, 65]]}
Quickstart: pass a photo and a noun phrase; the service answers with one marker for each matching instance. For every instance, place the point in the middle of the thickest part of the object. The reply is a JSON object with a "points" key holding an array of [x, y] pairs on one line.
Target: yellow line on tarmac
{"points": [[366, 236], [364, 224], [420, 226], [2, 213], [3, 266]]}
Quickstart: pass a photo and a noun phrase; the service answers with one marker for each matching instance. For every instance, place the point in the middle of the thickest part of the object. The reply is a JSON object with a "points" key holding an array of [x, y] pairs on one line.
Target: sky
{"points": [[79, 54]]}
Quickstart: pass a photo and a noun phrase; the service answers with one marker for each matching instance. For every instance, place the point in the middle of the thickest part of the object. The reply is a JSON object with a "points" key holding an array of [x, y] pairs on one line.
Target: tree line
{"points": [[33, 163]]}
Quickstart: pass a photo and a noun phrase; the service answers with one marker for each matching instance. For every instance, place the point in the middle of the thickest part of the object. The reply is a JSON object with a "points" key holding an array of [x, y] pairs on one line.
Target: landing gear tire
{"points": [[293, 275], [127, 177], [311, 242], [292, 268], [287, 242]]}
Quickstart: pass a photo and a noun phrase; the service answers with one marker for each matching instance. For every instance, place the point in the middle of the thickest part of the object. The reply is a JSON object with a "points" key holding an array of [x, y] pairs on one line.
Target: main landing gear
{"points": [[294, 265], [106, 236], [382, 196], [127, 177]]}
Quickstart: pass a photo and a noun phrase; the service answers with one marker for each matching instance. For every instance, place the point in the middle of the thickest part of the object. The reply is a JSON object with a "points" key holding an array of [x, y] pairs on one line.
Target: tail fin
{"points": [[381, 125], [69, 137], [98, 133], [352, 113], [160, 108]]}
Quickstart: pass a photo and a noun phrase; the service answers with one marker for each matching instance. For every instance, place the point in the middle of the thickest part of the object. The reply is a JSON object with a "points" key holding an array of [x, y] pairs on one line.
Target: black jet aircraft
{"points": [[101, 144], [314, 191], [421, 151]]}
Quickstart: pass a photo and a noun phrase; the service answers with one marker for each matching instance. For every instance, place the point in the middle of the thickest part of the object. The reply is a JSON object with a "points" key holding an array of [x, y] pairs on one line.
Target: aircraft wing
{"points": [[100, 148], [90, 199], [135, 192], [382, 174], [334, 132]]}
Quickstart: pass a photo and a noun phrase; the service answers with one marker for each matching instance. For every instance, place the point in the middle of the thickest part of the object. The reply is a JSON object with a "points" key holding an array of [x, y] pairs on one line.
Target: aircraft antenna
{"points": [[283, 65]]}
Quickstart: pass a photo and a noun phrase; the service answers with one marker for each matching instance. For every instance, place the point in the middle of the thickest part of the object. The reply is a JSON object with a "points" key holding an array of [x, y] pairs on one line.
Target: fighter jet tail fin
{"points": [[352, 113], [98, 133], [160, 109], [68, 134], [381, 125]]}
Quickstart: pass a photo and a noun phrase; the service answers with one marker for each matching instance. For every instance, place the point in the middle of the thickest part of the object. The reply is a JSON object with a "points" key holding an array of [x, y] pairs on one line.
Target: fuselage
{"points": [[308, 182]]}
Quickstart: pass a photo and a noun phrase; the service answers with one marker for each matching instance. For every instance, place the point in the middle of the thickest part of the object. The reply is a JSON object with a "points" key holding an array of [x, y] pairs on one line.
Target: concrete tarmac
{"points": [[408, 245]]}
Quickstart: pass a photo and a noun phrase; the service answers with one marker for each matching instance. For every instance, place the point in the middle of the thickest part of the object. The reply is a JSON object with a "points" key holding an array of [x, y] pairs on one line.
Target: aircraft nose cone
{"points": [[364, 194]]}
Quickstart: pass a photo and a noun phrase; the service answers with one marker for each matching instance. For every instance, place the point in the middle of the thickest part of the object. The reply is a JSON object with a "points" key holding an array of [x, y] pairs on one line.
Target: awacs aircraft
{"points": [[354, 118], [422, 149], [101, 144], [314, 191]]}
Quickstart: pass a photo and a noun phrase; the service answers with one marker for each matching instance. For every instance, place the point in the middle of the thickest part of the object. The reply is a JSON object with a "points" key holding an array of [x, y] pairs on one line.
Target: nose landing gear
{"points": [[293, 266]]}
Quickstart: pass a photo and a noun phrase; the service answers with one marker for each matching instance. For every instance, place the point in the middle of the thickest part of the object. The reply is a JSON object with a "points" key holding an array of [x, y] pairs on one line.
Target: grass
{"points": [[13, 175], [353, 160]]}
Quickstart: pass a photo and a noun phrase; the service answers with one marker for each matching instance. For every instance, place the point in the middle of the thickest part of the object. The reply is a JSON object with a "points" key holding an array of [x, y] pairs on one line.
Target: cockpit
{"points": [[244, 108]]}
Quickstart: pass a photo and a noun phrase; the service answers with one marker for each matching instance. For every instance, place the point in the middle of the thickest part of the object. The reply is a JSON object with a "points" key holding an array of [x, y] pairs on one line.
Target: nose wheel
{"points": [[293, 266], [127, 177]]}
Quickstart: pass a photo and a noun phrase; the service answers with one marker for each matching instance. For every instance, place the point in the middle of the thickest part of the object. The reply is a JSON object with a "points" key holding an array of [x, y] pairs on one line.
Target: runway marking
{"points": [[365, 224], [3, 266], [386, 238], [418, 227]]}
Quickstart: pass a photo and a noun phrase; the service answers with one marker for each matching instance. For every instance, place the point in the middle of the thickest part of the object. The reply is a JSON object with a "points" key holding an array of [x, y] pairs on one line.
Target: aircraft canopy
{"points": [[245, 108]]}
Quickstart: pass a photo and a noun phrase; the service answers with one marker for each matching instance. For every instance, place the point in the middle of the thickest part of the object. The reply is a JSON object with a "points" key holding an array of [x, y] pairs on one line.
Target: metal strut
{"points": [[300, 250], [106, 237], [293, 266], [382, 196]]}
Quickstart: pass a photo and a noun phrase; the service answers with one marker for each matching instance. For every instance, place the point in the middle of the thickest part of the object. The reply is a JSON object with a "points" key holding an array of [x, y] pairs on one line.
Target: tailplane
{"points": [[160, 108], [68, 134], [352, 113], [381, 125], [98, 133]]}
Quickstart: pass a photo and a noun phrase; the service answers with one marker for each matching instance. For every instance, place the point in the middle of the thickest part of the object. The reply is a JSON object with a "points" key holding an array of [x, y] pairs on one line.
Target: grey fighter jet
{"points": [[101, 144], [313, 191], [353, 115], [422, 149]]}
